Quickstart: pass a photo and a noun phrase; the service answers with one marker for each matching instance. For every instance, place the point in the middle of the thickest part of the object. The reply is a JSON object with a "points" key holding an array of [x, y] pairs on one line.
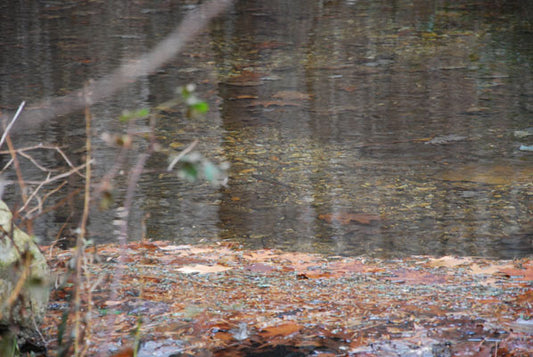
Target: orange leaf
{"points": [[127, 352], [224, 336], [281, 330], [246, 96]]}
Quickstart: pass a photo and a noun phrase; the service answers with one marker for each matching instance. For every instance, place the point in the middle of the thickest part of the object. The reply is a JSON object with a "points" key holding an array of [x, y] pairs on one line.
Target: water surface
{"points": [[352, 127]]}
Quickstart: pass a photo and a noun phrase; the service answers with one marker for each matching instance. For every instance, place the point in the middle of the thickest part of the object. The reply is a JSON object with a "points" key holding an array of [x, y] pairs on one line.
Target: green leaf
{"points": [[128, 115], [188, 171], [211, 172], [200, 107]]}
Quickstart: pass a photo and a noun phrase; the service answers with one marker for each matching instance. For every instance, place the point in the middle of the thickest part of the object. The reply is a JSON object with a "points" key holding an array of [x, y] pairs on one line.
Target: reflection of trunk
{"points": [[68, 216], [262, 205]]}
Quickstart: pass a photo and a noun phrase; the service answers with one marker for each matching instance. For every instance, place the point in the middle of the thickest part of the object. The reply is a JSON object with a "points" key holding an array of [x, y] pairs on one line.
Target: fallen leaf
{"points": [[275, 103], [415, 277], [488, 269], [224, 336], [246, 96], [318, 275], [259, 268], [202, 269], [126, 352], [347, 218], [291, 95], [448, 262], [246, 79], [281, 330], [354, 267], [525, 273]]}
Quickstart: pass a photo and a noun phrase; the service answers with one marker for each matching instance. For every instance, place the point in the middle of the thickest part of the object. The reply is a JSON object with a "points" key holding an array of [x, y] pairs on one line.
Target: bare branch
{"points": [[185, 151], [10, 125], [129, 71], [52, 179]]}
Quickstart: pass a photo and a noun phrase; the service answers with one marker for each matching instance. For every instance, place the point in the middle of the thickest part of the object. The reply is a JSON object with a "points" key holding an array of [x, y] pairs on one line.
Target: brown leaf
{"points": [[224, 336], [126, 352], [275, 103], [281, 330], [245, 79], [354, 267], [259, 268], [448, 262], [291, 95], [489, 269], [246, 96], [318, 275], [525, 273], [415, 277], [347, 218]]}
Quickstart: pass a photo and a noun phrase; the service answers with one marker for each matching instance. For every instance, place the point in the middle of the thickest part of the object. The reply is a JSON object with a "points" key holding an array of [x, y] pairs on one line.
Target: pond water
{"points": [[386, 128]]}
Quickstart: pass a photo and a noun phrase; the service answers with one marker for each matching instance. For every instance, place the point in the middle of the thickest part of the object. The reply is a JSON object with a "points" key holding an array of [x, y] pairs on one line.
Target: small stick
{"points": [[187, 150], [55, 178], [10, 125]]}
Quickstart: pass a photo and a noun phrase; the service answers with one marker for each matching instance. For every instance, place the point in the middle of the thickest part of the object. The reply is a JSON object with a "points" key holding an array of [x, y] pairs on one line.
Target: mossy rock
{"points": [[19, 254]]}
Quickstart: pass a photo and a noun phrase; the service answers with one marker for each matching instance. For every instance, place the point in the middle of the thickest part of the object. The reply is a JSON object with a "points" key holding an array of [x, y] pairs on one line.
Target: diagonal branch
{"points": [[129, 71]]}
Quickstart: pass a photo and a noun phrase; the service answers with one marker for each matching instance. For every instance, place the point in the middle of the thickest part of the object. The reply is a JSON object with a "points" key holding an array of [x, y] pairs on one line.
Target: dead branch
{"points": [[12, 122], [128, 72], [22, 152]]}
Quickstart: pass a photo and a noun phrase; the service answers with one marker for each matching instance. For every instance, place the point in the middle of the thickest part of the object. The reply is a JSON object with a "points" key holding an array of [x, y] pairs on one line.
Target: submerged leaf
{"points": [[347, 218]]}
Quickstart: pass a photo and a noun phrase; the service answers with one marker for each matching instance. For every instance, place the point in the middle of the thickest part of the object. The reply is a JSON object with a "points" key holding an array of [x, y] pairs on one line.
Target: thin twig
{"points": [[83, 227], [118, 162], [182, 154], [10, 125], [128, 201], [33, 161], [22, 152], [33, 194], [20, 179], [55, 178], [28, 214]]}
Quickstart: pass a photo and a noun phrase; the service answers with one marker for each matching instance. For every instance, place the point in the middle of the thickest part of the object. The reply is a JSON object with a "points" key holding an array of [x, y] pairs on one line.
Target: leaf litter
{"points": [[221, 300]]}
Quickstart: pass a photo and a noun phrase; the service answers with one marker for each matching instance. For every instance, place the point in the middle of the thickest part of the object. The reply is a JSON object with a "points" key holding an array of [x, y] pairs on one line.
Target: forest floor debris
{"points": [[221, 300]]}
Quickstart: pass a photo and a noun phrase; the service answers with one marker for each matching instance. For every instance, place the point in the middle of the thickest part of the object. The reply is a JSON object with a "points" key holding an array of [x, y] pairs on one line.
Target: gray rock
{"points": [[21, 310]]}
